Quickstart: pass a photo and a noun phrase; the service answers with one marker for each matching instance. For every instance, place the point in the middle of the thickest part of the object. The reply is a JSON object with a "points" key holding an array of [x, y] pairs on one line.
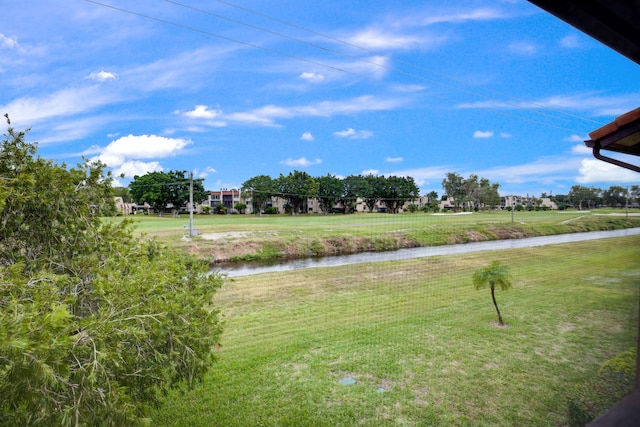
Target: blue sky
{"points": [[234, 89]]}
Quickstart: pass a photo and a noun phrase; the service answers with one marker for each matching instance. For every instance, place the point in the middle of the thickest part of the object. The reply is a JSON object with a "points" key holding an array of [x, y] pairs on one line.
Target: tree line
{"points": [[581, 197], [160, 189], [297, 187]]}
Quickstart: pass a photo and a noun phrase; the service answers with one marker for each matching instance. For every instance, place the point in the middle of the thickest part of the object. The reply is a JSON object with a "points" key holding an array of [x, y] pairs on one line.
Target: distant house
{"points": [[512, 201]]}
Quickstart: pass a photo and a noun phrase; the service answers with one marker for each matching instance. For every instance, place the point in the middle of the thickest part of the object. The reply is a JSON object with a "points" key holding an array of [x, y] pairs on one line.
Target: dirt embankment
{"points": [[248, 246]]}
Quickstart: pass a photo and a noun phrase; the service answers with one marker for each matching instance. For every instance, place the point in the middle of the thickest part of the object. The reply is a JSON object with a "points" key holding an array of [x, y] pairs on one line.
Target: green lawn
{"points": [[246, 237], [421, 343], [362, 223]]}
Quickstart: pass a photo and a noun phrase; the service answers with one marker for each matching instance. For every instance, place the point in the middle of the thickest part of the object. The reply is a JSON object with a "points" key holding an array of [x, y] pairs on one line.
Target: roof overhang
{"points": [[615, 23], [621, 136]]}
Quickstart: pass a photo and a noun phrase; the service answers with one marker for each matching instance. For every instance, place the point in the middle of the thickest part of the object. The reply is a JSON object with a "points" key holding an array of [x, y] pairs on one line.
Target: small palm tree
{"points": [[494, 274]]}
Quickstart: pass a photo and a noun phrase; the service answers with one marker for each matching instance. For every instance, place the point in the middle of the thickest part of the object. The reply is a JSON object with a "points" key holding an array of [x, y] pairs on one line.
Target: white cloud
{"points": [[124, 154], [8, 42], [581, 149], [593, 171], [205, 173], [592, 103], [522, 48], [480, 14], [505, 135], [354, 134], [307, 136], [570, 42], [375, 38], [394, 159], [483, 134], [202, 112], [268, 114], [102, 76], [370, 172], [423, 176], [576, 138], [302, 161], [312, 77], [542, 171], [66, 102], [131, 168]]}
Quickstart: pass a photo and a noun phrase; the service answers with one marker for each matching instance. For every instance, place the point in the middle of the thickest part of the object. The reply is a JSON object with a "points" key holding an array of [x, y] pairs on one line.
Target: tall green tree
{"points": [[152, 188], [372, 190], [95, 325], [470, 188], [488, 195], [615, 196], [259, 191], [452, 186], [398, 190], [330, 189], [297, 188], [353, 188], [492, 276]]}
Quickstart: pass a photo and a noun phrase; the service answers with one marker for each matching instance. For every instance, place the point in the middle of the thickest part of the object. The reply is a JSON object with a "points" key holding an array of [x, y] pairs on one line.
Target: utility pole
{"points": [[191, 204]]}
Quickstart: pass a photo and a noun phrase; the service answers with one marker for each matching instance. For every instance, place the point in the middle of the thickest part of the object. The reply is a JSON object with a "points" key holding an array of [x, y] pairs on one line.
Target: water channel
{"points": [[246, 269]]}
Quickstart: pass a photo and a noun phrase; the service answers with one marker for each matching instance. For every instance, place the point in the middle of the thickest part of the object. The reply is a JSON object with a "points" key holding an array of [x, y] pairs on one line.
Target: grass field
{"points": [[420, 342], [247, 237]]}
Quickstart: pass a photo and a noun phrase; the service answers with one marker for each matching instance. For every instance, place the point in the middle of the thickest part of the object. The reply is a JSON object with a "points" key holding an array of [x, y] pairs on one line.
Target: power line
{"points": [[371, 51], [298, 58]]}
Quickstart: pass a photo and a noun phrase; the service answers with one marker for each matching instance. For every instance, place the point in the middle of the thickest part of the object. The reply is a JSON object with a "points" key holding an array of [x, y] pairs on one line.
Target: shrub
{"points": [[95, 325]]}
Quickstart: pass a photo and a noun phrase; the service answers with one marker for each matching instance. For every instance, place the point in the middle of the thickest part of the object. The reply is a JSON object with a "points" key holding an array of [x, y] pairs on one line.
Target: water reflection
{"points": [[245, 269]]}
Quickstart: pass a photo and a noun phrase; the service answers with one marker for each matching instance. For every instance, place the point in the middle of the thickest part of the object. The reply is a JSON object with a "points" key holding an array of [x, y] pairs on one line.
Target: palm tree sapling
{"points": [[494, 274]]}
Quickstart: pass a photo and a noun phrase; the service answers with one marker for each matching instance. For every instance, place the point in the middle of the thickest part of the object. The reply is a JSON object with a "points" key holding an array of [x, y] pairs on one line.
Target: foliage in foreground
{"points": [[95, 325]]}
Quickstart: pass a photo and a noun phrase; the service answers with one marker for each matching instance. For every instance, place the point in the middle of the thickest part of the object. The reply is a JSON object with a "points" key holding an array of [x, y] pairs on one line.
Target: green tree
{"points": [[494, 275], [297, 188], [452, 186], [488, 195], [398, 190], [371, 190], [615, 196], [470, 188], [240, 207], [95, 325], [432, 201], [179, 190], [259, 191], [124, 193], [330, 189], [353, 188], [151, 188], [580, 195]]}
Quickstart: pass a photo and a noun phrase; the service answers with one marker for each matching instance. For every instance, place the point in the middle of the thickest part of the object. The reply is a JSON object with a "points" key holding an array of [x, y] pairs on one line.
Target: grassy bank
{"points": [[247, 238], [420, 342]]}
